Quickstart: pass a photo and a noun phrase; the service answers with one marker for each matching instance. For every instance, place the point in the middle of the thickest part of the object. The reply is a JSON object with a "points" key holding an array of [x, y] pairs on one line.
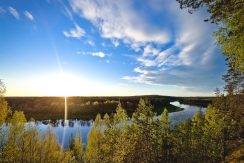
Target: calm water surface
{"points": [[64, 131]]}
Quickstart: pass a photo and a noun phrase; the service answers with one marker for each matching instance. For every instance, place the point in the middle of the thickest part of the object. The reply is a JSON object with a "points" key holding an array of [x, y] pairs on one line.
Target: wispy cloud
{"points": [[190, 60], [177, 51], [76, 32], [14, 12], [115, 42], [28, 15], [96, 54], [90, 42], [118, 20]]}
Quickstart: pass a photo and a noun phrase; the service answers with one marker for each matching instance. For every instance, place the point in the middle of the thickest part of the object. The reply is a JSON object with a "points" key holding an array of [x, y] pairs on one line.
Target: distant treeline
{"points": [[197, 101], [85, 108]]}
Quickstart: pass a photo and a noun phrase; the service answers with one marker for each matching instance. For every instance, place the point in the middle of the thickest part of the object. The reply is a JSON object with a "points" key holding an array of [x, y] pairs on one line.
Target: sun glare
{"points": [[62, 84]]}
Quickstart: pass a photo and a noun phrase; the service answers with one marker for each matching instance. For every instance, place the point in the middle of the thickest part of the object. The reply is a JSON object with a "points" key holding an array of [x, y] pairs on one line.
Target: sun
{"points": [[66, 84], [62, 84]]}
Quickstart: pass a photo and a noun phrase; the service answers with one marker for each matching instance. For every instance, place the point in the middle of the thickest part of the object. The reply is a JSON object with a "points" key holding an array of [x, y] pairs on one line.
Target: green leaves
{"points": [[118, 138]]}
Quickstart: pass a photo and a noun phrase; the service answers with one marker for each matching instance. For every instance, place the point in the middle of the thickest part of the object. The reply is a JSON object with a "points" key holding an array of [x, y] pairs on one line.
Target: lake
{"points": [[64, 130]]}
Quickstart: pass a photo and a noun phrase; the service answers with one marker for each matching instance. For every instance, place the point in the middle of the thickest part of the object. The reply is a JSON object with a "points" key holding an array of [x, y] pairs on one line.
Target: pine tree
{"points": [[50, 150], [117, 136], [4, 110], [71, 142], [164, 127], [144, 133], [197, 149], [94, 142], [3, 104], [181, 142], [15, 134], [213, 134], [78, 148], [106, 120]]}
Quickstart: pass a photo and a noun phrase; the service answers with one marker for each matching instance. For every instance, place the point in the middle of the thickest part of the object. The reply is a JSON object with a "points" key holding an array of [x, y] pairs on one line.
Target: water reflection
{"points": [[187, 113], [73, 126]]}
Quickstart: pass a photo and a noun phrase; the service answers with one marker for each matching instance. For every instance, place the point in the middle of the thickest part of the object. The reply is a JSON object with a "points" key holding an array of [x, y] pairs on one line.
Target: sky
{"points": [[107, 48]]}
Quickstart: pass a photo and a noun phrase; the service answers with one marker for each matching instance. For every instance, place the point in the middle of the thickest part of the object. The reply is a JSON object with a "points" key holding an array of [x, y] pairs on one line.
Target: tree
{"points": [[228, 15], [144, 133], [181, 142], [15, 134], [117, 137], [94, 142], [30, 144], [50, 150], [4, 110], [213, 134], [121, 115], [164, 123], [106, 120], [197, 137], [78, 148], [71, 142]]}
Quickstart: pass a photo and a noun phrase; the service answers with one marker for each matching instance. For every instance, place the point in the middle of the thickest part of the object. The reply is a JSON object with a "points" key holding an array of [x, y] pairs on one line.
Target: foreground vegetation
{"points": [[141, 138], [214, 137]]}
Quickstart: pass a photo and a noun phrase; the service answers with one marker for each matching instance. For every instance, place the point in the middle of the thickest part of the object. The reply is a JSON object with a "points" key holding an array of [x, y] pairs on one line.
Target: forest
{"points": [[211, 137], [126, 129], [86, 108]]}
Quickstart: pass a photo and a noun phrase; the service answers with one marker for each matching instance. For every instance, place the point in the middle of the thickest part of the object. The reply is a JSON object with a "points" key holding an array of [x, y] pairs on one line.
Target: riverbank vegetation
{"points": [[119, 138], [86, 108], [136, 135]]}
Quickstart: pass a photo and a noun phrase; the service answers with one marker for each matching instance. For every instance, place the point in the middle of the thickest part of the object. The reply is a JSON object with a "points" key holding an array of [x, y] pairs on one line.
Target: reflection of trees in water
{"points": [[71, 123], [57, 123], [85, 123]]}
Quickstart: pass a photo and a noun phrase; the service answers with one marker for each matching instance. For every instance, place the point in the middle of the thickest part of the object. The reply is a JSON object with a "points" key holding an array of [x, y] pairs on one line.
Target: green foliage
{"points": [[41, 108], [4, 110], [230, 36], [181, 142], [197, 145], [120, 139], [106, 120], [94, 142], [213, 133], [78, 148], [228, 15], [144, 129], [50, 149]]}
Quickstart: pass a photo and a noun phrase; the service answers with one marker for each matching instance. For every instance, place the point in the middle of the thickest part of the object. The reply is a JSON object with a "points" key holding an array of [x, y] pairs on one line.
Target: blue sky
{"points": [[106, 47]]}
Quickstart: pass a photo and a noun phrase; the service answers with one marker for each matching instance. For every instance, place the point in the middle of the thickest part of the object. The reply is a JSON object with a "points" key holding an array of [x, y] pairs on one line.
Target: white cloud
{"points": [[150, 51], [28, 15], [119, 20], [76, 32], [190, 60], [90, 42], [115, 42], [14, 12], [179, 50], [98, 54]]}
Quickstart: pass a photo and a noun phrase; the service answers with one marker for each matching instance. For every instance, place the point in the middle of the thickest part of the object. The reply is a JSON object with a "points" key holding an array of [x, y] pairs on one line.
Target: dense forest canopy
{"points": [[119, 138], [216, 136]]}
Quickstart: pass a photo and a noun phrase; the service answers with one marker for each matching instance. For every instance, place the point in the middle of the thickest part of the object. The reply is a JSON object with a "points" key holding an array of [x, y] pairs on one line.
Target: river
{"points": [[71, 127]]}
